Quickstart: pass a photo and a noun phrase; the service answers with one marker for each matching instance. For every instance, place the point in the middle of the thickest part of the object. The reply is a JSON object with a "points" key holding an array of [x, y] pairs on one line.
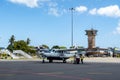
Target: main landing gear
{"points": [[64, 60], [50, 60]]}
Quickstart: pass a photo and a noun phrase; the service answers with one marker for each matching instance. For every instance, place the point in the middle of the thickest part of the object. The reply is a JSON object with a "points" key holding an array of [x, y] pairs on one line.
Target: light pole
{"points": [[72, 9]]}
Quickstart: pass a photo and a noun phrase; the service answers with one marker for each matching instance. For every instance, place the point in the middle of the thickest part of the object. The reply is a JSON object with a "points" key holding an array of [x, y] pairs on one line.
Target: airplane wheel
{"points": [[50, 60], [64, 61]]}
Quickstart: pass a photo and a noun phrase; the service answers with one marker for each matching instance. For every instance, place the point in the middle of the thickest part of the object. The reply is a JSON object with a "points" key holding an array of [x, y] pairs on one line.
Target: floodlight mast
{"points": [[72, 10]]}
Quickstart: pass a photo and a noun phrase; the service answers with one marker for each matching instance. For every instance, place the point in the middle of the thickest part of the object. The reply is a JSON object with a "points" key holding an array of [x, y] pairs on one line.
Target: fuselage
{"points": [[56, 55]]}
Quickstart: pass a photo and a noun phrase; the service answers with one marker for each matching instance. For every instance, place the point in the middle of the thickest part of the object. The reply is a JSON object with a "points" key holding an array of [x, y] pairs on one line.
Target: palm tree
{"points": [[11, 40], [28, 41]]}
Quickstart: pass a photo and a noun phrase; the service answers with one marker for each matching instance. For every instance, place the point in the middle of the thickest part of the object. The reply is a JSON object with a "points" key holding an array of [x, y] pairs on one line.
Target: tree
{"points": [[56, 47], [80, 47], [10, 47], [28, 41], [11, 41], [31, 50], [63, 47], [72, 47], [45, 46], [21, 45]]}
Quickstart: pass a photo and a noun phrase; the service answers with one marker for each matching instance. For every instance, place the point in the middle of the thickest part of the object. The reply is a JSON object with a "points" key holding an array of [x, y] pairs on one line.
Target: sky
{"points": [[49, 22]]}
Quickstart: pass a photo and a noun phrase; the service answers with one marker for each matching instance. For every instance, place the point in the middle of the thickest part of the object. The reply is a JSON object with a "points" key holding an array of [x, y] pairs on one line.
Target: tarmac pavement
{"points": [[102, 60], [35, 70], [86, 60], [99, 60]]}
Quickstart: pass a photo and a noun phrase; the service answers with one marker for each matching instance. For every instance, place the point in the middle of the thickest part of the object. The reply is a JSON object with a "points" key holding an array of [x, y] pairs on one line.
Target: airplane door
{"points": [[61, 54]]}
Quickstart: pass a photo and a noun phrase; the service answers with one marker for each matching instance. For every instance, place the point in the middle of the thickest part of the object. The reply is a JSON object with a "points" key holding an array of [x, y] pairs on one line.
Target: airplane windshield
{"points": [[46, 51]]}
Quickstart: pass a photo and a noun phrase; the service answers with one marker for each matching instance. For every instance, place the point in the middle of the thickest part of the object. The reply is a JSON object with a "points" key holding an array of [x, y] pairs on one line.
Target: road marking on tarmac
{"points": [[6, 75], [51, 73], [100, 73], [58, 74]]}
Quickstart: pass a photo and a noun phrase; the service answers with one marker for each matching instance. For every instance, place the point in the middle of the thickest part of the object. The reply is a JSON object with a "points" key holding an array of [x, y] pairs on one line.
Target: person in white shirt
{"points": [[76, 58]]}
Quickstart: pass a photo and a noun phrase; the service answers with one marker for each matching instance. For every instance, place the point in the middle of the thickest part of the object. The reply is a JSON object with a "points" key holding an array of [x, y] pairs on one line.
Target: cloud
{"points": [[57, 11], [110, 11], [53, 11], [117, 30], [93, 11], [28, 3], [52, 4], [81, 9]]}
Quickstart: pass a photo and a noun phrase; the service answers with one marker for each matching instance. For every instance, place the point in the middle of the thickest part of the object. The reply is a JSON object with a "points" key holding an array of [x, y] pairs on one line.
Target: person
{"points": [[81, 58], [74, 62], [76, 58]]}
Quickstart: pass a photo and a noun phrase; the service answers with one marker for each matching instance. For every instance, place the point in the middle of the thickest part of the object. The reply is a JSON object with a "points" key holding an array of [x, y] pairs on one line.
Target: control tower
{"points": [[91, 38]]}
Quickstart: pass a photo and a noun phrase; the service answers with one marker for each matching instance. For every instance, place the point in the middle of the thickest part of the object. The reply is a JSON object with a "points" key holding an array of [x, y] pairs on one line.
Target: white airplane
{"points": [[54, 55]]}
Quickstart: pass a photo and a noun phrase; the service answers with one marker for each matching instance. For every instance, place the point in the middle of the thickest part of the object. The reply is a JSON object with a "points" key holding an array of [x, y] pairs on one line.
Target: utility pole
{"points": [[72, 10]]}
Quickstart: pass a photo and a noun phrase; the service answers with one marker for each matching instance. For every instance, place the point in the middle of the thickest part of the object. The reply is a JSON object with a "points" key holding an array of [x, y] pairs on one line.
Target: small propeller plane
{"points": [[54, 54]]}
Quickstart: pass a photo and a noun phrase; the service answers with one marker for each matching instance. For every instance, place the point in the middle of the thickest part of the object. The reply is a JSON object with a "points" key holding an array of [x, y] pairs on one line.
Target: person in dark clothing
{"points": [[81, 58]]}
